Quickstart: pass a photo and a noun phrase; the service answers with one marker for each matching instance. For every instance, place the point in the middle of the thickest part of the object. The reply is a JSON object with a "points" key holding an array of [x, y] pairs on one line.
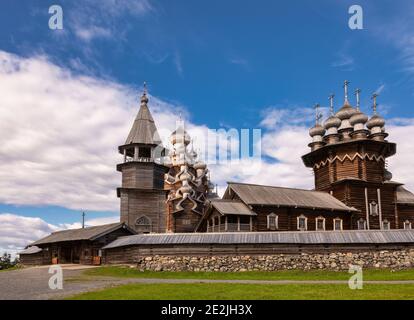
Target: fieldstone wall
{"points": [[400, 259]]}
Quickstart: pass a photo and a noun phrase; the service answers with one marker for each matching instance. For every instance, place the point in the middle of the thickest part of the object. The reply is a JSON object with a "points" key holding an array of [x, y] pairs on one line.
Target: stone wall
{"points": [[400, 259]]}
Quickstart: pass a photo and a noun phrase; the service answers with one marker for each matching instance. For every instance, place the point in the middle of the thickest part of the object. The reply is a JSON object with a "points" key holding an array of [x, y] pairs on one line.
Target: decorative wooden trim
{"points": [[356, 155]]}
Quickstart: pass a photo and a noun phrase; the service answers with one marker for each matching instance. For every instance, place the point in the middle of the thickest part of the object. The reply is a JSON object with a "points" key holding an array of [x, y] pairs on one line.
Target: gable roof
{"points": [[227, 207], [90, 233], [252, 194], [144, 130], [404, 196]]}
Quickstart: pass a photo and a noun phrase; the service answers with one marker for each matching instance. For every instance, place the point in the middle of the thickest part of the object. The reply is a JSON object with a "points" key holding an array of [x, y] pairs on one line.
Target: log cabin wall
{"points": [[186, 220], [136, 203], [405, 213], [287, 218]]}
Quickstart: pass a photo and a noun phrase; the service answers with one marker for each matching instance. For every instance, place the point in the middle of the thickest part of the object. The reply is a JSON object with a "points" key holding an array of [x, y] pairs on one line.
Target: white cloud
{"points": [[60, 133], [94, 19], [17, 232]]}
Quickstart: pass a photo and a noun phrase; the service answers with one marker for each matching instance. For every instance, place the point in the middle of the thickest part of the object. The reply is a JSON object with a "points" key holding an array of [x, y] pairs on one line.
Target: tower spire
{"points": [[357, 92], [346, 83], [331, 104], [375, 105]]}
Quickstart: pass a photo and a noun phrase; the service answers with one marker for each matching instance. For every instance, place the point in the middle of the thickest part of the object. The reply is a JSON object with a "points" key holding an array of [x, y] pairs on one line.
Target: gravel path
{"points": [[32, 283]]}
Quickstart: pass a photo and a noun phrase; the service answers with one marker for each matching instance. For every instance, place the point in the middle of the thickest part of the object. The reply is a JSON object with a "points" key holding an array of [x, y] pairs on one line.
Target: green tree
{"points": [[6, 261]]}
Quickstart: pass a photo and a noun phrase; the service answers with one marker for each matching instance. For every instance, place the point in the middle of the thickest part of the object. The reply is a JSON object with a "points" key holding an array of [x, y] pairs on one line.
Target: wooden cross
{"points": [[346, 83], [318, 115], [331, 103], [357, 92], [375, 105]]}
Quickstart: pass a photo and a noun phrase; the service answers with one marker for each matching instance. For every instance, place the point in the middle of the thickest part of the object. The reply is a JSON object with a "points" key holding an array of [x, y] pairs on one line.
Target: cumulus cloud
{"points": [[17, 232], [60, 133]]}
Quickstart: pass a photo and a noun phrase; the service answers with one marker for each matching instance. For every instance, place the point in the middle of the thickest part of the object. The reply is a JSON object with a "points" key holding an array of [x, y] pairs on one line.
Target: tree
{"points": [[5, 261]]}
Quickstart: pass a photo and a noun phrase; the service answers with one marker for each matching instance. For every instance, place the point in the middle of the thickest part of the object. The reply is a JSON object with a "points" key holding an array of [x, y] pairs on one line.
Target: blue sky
{"points": [[227, 63]]}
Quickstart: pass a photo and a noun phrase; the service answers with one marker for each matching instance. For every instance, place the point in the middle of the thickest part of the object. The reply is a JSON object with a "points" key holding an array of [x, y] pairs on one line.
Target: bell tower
{"points": [[142, 192], [348, 157]]}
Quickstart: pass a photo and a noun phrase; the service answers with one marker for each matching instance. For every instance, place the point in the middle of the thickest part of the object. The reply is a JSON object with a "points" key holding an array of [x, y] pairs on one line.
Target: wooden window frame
{"points": [[341, 222], [306, 222], [272, 215], [323, 223], [386, 222], [365, 224]]}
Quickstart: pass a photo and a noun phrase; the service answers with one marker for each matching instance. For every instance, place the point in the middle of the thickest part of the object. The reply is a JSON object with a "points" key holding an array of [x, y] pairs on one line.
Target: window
{"points": [[386, 225], [407, 225], [143, 224], [337, 224], [320, 223], [272, 222], [362, 225], [144, 152], [186, 222], [373, 208], [302, 223]]}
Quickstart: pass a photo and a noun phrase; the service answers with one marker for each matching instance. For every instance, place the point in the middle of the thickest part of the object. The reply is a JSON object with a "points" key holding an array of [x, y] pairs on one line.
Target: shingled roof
{"points": [[144, 130], [252, 194], [90, 233], [404, 196], [284, 237], [226, 207]]}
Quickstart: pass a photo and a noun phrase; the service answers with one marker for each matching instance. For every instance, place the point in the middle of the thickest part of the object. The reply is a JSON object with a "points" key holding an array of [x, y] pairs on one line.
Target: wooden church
{"points": [[171, 193], [168, 193]]}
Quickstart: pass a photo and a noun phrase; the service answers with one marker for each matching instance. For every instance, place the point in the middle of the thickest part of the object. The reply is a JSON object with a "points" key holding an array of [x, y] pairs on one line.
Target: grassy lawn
{"points": [[369, 274], [220, 291]]}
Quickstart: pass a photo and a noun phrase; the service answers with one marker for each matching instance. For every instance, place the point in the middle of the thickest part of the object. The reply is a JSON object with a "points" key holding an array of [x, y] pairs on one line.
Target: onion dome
{"points": [[358, 118], [375, 121], [317, 130], [180, 135], [346, 112], [332, 122], [200, 165]]}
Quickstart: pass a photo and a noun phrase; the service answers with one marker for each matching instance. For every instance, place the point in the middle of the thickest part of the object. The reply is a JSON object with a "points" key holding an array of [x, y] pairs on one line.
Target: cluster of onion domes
{"points": [[347, 123]]}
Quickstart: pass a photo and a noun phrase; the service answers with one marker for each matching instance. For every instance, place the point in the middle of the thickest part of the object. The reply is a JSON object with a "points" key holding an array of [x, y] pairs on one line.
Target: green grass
{"points": [[369, 274], [219, 291]]}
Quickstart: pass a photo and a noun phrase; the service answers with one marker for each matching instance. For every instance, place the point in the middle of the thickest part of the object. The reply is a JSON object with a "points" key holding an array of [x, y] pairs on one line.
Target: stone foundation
{"points": [[400, 259]]}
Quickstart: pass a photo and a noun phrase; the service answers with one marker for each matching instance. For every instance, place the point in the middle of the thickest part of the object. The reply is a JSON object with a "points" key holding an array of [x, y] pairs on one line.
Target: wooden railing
{"points": [[231, 227]]}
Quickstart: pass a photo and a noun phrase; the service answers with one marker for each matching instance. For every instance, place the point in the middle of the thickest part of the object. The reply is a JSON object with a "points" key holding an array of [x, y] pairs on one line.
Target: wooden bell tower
{"points": [[142, 192]]}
